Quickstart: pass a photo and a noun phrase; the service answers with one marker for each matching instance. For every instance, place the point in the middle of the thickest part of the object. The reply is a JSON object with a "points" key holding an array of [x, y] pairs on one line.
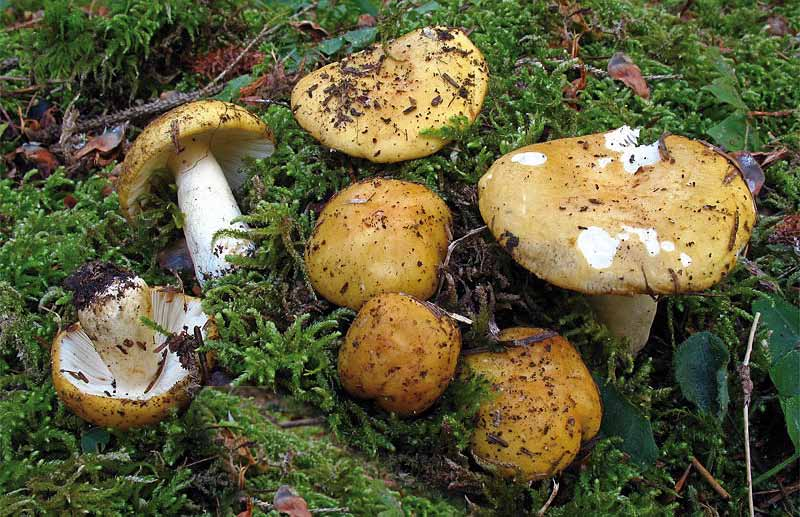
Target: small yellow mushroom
{"points": [[400, 352], [545, 406], [378, 236]]}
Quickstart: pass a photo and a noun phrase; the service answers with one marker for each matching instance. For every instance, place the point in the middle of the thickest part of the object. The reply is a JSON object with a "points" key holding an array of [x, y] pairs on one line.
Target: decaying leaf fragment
{"points": [[622, 68]]}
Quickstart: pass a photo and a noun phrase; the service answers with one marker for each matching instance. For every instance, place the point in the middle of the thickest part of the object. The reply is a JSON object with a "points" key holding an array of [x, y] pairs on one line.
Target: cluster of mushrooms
{"points": [[601, 215]]}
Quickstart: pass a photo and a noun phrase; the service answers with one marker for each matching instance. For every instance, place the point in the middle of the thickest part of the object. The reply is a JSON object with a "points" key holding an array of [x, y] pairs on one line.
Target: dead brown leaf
{"points": [[287, 501], [622, 68], [103, 143], [272, 85], [778, 25], [787, 231], [310, 29], [751, 170], [574, 88], [39, 156], [366, 20], [215, 62]]}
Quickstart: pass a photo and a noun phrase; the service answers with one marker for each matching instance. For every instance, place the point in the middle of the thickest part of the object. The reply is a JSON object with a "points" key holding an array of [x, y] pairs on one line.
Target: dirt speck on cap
{"points": [[92, 279]]}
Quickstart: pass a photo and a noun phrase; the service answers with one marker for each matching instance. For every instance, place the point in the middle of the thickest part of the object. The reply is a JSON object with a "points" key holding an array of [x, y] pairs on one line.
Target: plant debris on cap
{"points": [[113, 370], [379, 236], [600, 214], [545, 405], [374, 104]]}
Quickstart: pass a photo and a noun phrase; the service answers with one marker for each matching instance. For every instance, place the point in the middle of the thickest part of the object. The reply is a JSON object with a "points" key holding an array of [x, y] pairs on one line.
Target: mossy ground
{"points": [[276, 336]]}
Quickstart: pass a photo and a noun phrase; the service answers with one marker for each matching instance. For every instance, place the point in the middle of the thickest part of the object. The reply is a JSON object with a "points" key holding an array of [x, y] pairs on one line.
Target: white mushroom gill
{"points": [[208, 206], [132, 370], [624, 140], [599, 247], [531, 159]]}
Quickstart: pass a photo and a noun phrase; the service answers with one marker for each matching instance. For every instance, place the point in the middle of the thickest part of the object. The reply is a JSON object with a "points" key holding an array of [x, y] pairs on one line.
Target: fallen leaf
{"points": [[787, 231], [311, 29], [248, 511], [751, 170], [778, 25], [211, 64], [366, 20], [272, 85], [176, 257], [766, 158], [39, 155], [70, 201], [622, 68], [287, 501], [107, 141], [574, 88]]}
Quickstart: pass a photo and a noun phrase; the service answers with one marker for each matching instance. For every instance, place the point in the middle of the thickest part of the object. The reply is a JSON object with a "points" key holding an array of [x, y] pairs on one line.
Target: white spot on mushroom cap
{"points": [[531, 158], [604, 161], [686, 260], [667, 245], [625, 140], [598, 247]]}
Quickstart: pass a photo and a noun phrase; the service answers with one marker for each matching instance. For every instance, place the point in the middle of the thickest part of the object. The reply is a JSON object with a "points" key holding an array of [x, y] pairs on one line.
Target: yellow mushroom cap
{"points": [[230, 131], [126, 382], [379, 236], [373, 104], [601, 215], [545, 406]]}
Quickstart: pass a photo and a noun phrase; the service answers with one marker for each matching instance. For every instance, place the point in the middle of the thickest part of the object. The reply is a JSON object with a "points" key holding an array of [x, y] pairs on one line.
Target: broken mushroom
{"points": [[378, 236], [113, 370], [546, 405], [400, 352], [604, 216], [374, 104], [202, 145]]}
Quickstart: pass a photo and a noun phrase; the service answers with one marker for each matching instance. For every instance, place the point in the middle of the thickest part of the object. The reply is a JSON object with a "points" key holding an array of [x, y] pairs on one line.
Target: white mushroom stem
{"points": [[626, 316], [208, 206]]}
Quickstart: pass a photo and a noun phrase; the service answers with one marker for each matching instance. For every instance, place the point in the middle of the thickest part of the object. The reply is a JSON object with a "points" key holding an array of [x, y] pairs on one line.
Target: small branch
{"points": [[302, 422], [536, 338], [747, 388], [577, 64], [710, 479], [682, 481], [456, 242], [549, 501], [783, 113]]}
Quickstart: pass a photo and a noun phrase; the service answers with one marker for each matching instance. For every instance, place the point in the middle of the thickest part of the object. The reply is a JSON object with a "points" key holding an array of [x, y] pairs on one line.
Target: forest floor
{"points": [[721, 71]]}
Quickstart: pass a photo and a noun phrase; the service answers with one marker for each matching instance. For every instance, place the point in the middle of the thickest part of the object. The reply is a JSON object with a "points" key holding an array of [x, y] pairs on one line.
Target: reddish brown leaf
{"points": [[778, 25], [766, 158], [787, 231], [287, 501], [366, 20], [70, 201], [621, 67], [574, 88], [753, 174], [213, 63], [310, 29], [38, 155], [272, 85], [108, 141]]}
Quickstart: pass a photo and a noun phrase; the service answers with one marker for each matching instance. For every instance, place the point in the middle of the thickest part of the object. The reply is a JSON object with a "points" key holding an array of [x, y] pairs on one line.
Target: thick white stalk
{"points": [[208, 206], [626, 316]]}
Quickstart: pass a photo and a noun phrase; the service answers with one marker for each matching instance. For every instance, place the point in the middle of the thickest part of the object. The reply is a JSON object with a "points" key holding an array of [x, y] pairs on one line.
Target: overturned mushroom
{"points": [[203, 144], [604, 216], [545, 405], [112, 369], [375, 103], [379, 236]]}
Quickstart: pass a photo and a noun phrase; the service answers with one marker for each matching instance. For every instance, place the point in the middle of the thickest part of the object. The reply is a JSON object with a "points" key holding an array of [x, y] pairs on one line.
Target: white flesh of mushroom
{"points": [[122, 361], [208, 206]]}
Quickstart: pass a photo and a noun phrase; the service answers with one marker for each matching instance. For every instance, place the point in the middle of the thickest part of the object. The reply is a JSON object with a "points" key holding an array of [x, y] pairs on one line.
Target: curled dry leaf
{"points": [[106, 142], [311, 29], [622, 68], [287, 501], [272, 85], [753, 174], [38, 155], [213, 63]]}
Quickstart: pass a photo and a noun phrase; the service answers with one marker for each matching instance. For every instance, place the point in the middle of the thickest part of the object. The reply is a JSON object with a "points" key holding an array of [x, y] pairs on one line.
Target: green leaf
{"points": [[783, 321], [360, 38], [95, 440], [736, 133], [727, 92], [623, 419], [331, 46], [2, 126], [231, 90], [427, 8], [368, 6], [701, 369], [791, 412], [785, 374]]}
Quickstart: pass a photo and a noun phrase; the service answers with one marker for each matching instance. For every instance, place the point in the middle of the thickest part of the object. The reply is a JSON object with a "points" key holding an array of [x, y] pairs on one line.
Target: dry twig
{"points": [[710, 479], [747, 388], [549, 501]]}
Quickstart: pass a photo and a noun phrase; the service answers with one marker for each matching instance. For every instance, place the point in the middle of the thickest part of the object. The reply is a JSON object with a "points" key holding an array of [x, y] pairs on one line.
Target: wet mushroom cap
{"points": [[400, 352], [600, 215], [378, 236], [123, 382], [230, 131], [374, 104], [545, 405]]}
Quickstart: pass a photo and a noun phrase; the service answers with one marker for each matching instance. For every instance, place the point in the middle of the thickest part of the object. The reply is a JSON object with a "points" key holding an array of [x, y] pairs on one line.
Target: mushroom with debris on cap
{"points": [[400, 352], [604, 216], [374, 104], [113, 370], [545, 405], [203, 145], [379, 236]]}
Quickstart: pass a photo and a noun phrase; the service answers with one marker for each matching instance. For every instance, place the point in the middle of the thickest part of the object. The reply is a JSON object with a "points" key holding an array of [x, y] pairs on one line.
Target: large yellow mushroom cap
{"points": [[545, 405], [374, 104], [601, 215], [230, 131], [379, 236]]}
